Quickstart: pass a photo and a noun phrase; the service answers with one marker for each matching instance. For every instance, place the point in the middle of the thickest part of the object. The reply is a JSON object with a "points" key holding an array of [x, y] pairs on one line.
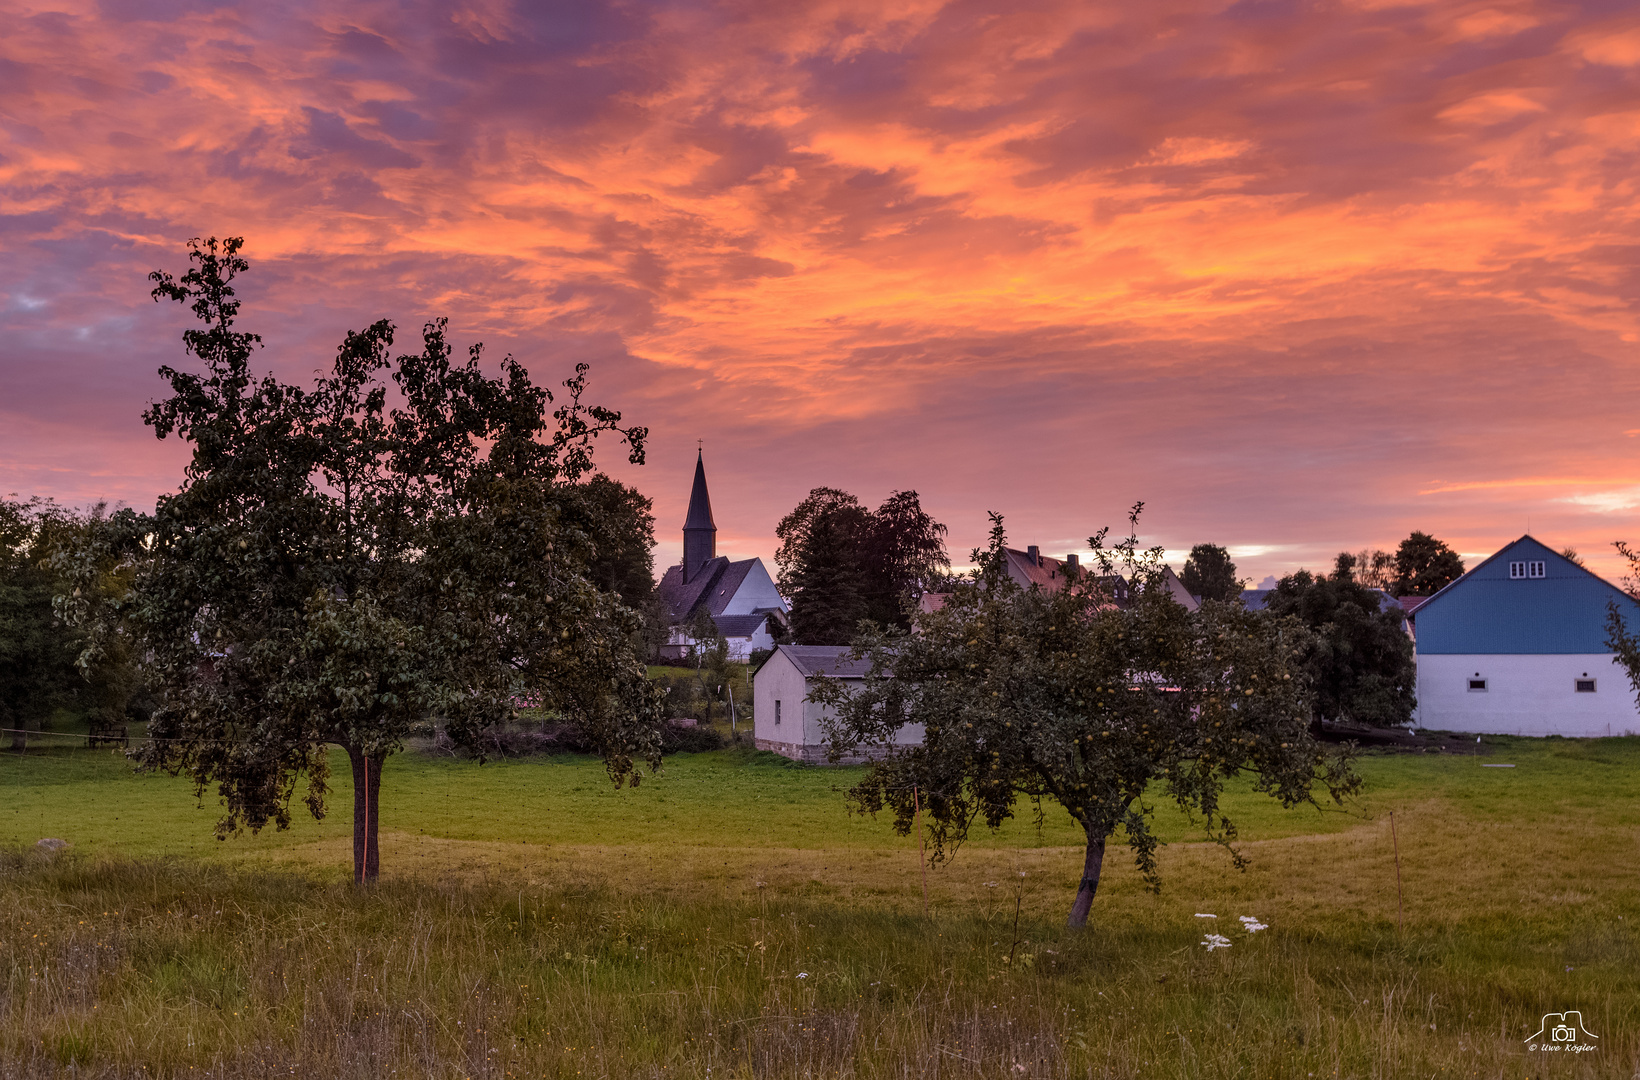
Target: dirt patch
{"points": [[1402, 741]]}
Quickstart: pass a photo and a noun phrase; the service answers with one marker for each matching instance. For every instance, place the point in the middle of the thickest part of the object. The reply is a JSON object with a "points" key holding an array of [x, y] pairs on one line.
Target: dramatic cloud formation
{"points": [[1301, 276]]}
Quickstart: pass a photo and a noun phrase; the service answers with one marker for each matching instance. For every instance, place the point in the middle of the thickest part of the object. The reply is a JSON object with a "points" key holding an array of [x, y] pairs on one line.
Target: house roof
{"points": [[1045, 571], [832, 660], [1050, 574], [1411, 604], [1488, 611], [712, 587], [1184, 596], [740, 626]]}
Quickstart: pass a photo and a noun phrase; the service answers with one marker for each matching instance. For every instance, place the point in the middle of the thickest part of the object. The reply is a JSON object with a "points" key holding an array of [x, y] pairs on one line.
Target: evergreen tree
{"points": [[1209, 574], [841, 563]]}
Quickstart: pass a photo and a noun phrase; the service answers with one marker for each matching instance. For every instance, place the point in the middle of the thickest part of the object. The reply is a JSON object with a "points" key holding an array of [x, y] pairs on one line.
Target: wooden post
{"points": [[1400, 902], [922, 859]]}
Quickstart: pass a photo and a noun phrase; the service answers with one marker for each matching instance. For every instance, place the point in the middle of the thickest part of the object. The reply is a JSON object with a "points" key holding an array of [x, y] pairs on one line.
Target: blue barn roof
{"points": [[1487, 611]]}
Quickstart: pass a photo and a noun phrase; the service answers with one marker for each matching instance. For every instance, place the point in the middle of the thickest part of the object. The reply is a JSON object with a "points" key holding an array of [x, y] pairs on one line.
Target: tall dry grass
{"points": [[169, 968]]}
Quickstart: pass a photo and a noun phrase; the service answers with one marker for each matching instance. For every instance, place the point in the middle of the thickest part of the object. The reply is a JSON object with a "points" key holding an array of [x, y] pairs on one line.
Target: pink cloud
{"points": [[1302, 277]]}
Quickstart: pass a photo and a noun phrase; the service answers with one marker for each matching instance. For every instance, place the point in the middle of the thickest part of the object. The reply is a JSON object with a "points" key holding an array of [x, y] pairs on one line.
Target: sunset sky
{"points": [[1301, 276]]}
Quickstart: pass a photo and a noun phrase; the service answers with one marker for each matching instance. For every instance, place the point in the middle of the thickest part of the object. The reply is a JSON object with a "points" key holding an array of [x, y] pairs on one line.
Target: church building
{"points": [[740, 596]]}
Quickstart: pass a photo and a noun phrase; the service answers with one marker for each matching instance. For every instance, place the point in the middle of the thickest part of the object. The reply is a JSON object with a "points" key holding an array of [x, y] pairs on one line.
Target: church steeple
{"points": [[699, 532]]}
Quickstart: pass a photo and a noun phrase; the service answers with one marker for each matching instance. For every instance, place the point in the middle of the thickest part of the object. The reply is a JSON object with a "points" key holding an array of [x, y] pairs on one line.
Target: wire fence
{"points": [[21, 737]]}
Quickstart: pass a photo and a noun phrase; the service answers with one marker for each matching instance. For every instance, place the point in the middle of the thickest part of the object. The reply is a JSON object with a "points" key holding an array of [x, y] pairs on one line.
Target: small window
{"points": [[1477, 685], [777, 712], [1534, 568], [1584, 686], [1517, 570]]}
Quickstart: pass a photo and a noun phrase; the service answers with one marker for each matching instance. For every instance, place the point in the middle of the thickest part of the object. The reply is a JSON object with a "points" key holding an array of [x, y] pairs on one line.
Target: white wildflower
{"points": [[1216, 941], [1251, 924], [1199, 915], [802, 974]]}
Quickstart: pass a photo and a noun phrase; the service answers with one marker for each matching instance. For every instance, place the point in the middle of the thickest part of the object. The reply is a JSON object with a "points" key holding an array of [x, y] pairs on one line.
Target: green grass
{"points": [[533, 921]]}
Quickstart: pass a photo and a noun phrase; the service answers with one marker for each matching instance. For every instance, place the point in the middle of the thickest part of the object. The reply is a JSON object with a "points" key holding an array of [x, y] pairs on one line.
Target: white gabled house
{"points": [[1517, 646], [787, 722]]}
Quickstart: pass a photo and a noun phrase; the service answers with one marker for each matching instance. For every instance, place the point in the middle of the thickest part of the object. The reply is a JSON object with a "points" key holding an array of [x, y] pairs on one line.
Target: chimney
{"points": [[1073, 561], [1034, 554]]}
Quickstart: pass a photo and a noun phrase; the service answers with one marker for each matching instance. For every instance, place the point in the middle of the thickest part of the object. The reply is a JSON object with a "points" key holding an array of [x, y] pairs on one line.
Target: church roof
{"points": [[700, 503], [712, 587], [740, 625]]}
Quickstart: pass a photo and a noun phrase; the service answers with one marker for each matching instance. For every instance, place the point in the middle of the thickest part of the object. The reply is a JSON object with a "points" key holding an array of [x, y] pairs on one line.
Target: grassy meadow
{"points": [[728, 918]]}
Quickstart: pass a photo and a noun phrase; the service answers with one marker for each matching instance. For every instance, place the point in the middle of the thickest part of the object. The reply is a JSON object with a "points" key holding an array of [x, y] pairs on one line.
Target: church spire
{"points": [[699, 532]]}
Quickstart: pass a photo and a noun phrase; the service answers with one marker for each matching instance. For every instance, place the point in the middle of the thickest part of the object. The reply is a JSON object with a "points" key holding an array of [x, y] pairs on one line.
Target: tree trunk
{"points": [[1089, 883], [367, 786]]}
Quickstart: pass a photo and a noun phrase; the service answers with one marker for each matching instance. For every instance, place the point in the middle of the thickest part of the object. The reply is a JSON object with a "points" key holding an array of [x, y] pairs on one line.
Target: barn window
{"points": [[1584, 686], [777, 711], [1534, 568], [1477, 685], [1517, 570]]}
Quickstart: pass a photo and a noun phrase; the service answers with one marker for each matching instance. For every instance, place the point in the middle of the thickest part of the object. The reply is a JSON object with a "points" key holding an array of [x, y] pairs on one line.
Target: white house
{"points": [[740, 596], [1517, 646], [787, 722]]}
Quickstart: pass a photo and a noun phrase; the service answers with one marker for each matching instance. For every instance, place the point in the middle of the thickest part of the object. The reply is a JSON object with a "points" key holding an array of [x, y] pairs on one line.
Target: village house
{"points": [[1517, 646], [786, 722], [740, 597], [1031, 567]]}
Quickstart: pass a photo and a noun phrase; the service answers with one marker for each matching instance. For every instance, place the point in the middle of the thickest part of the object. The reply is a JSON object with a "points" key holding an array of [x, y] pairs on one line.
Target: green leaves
{"points": [[1076, 698], [1358, 660], [842, 563], [336, 570]]}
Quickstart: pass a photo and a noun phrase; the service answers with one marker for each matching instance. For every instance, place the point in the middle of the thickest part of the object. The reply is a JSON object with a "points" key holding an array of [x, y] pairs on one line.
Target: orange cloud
{"points": [[1267, 267]]}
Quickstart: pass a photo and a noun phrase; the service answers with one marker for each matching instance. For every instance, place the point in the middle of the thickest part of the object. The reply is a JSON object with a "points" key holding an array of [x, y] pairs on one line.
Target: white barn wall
{"points": [[801, 733], [1525, 695], [779, 680], [678, 643]]}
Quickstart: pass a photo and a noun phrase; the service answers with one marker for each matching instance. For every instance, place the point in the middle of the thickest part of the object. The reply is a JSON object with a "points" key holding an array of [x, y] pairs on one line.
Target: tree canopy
{"points": [[1068, 697], [841, 563], [1620, 637], [37, 652], [1210, 575], [1375, 569], [50, 570], [1424, 566], [398, 543], [619, 522], [1358, 660]]}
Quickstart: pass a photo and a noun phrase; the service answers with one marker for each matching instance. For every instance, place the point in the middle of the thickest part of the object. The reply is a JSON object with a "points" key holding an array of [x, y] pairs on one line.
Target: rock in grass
{"points": [[51, 845]]}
